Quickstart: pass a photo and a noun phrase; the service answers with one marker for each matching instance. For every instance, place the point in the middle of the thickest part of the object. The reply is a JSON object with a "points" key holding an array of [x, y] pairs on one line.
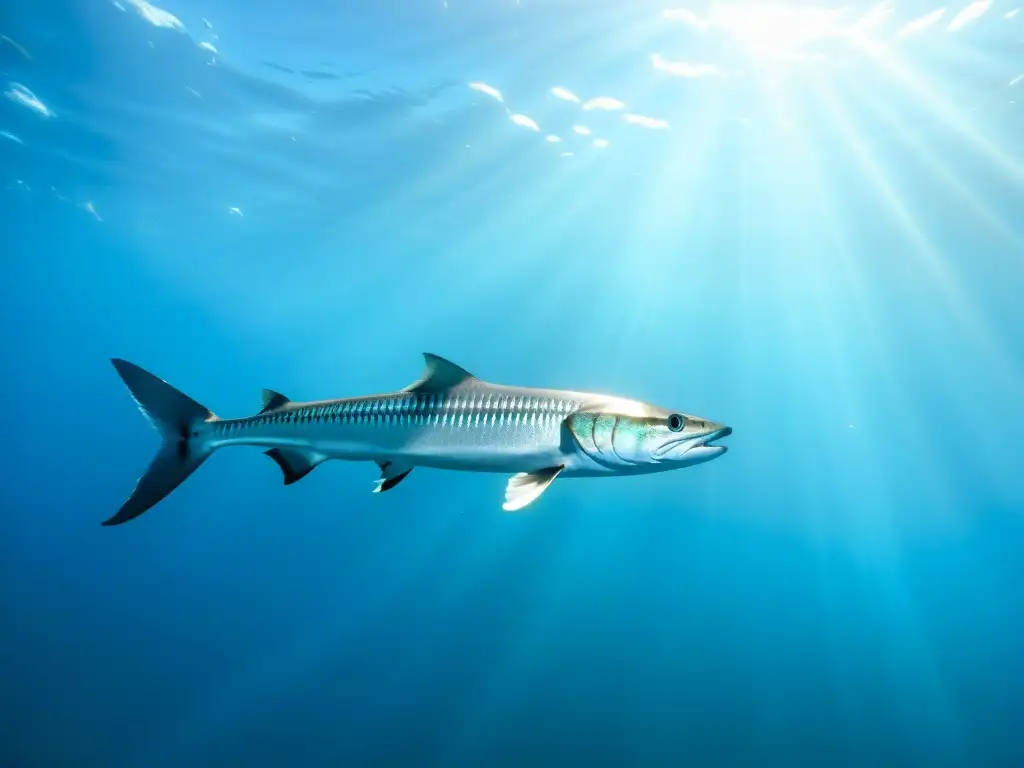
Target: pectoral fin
{"points": [[295, 465], [524, 488], [391, 474]]}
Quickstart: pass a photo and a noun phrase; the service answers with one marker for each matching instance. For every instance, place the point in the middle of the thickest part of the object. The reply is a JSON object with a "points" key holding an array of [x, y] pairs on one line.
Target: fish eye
{"points": [[676, 422]]}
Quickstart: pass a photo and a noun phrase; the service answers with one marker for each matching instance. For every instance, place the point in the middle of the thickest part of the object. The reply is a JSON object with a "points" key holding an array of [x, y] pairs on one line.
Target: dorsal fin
{"points": [[272, 400], [439, 375]]}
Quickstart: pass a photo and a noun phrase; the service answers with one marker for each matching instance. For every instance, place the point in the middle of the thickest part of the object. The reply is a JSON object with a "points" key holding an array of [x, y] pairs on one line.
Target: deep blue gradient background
{"points": [[824, 254]]}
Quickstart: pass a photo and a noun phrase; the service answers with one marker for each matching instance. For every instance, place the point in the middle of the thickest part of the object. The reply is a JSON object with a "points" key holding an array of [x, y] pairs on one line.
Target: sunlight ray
{"points": [[840, 276], [926, 255], [776, 31], [807, 291], [577, 184], [912, 142], [664, 215], [923, 92], [796, 156], [962, 55], [882, 528]]}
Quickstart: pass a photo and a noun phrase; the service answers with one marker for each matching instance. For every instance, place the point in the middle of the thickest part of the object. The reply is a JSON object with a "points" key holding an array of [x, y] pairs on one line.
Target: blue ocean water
{"points": [[805, 221]]}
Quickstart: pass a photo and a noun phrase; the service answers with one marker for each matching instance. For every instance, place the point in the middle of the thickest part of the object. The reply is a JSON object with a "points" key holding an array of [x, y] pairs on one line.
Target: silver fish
{"points": [[448, 419]]}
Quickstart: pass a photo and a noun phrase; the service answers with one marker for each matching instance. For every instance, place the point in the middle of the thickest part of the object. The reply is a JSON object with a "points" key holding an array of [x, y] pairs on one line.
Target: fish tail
{"points": [[176, 417]]}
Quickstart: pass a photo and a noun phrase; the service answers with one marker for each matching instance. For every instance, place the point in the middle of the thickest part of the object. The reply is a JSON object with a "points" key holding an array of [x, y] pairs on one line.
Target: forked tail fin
{"points": [[175, 416]]}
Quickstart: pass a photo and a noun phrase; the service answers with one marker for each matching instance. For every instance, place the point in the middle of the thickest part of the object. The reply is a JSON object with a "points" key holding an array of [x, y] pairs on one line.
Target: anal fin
{"points": [[295, 464], [526, 487], [391, 474]]}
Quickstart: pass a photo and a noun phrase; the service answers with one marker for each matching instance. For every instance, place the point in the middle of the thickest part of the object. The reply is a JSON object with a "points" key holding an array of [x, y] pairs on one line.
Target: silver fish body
{"points": [[448, 419], [474, 428]]}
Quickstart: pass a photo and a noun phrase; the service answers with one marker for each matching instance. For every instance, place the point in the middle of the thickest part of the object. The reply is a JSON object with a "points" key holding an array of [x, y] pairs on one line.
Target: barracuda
{"points": [[447, 419]]}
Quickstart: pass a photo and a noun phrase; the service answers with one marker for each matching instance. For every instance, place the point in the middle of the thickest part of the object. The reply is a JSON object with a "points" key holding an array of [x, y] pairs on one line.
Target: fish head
{"points": [[632, 436]]}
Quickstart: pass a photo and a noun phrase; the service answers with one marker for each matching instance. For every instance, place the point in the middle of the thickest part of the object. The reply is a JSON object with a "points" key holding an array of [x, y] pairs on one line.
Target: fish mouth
{"points": [[718, 434], [671, 450]]}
